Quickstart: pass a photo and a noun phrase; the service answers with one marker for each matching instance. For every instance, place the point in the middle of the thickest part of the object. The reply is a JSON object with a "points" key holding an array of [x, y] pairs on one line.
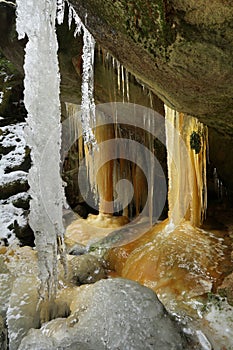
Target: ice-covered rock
{"points": [[85, 269], [22, 314], [110, 314]]}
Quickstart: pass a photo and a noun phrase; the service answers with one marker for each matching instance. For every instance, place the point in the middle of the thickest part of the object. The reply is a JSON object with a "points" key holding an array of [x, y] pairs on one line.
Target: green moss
{"points": [[213, 300], [195, 141], [146, 24]]}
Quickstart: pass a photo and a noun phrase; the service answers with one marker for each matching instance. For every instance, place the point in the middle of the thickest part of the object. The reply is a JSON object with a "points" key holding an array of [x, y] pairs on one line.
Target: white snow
{"points": [[1, 96], [12, 136]]}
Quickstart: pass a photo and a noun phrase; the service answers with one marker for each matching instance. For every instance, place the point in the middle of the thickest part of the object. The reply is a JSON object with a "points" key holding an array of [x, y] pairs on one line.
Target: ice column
{"points": [[36, 19]]}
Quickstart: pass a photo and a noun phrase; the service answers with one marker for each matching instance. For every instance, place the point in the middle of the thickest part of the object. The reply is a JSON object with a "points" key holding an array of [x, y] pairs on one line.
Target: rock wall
{"points": [[181, 50]]}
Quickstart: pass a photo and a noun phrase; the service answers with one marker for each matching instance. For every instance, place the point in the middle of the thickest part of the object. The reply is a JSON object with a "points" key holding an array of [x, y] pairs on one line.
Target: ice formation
{"points": [[121, 170], [121, 72], [187, 195], [87, 103], [36, 19]]}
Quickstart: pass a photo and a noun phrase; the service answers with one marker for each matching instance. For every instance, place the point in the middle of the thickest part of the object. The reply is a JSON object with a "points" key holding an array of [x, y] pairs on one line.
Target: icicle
{"points": [[88, 105], [60, 11], [74, 16], [127, 85], [151, 99], [70, 16], [72, 112], [123, 82], [119, 76], [113, 62], [36, 19]]}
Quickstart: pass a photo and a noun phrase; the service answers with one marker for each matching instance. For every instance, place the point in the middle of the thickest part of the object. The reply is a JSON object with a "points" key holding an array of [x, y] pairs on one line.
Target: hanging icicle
{"points": [[60, 11], [87, 89], [88, 104], [36, 19]]}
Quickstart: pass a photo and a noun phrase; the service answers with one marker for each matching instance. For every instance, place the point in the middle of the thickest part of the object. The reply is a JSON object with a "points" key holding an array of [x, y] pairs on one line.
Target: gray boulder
{"points": [[111, 314]]}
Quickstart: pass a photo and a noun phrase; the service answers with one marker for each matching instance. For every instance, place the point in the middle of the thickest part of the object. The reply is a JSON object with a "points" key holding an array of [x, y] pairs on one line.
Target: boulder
{"points": [[110, 314]]}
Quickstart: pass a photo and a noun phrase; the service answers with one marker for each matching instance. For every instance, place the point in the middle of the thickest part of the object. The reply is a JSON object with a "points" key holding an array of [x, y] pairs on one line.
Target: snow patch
{"points": [[12, 136]]}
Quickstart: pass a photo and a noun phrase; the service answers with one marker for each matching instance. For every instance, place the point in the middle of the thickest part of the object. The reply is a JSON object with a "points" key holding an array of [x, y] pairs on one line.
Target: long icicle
{"points": [[36, 19]]}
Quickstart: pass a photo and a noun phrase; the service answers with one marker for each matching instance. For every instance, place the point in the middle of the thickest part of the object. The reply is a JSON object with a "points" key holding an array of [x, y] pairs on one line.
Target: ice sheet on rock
{"points": [[21, 313], [6, 282], [130, 315], [36, 19]]}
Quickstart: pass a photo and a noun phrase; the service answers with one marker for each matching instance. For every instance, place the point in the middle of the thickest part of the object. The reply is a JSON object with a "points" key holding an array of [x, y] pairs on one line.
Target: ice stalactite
{"points": [[60, 11], [87, 89], [88, 104], [110, 169], [36, 20], [187, 143], [122, 75]]}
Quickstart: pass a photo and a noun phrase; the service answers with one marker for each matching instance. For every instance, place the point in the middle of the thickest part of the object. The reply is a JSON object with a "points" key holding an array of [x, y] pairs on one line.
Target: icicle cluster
{"points": [[121, 71], [187, 196], [104, 183], [36, 19], [87, 89]]}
